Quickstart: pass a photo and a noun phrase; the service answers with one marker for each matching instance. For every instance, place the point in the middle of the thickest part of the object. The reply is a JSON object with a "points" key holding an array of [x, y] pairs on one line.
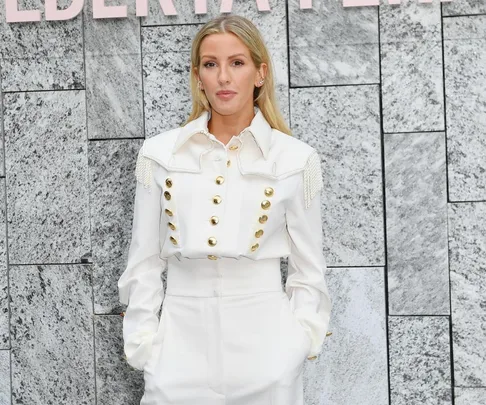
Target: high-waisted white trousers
{"points": [[227, 336]]}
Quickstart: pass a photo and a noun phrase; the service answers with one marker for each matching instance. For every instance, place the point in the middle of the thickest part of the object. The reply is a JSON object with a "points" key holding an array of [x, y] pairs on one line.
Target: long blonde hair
{"points": [[264, 96]]}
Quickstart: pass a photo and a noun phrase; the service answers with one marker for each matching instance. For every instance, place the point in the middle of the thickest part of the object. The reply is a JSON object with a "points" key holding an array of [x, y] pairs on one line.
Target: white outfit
{"points": [[220, 217]]}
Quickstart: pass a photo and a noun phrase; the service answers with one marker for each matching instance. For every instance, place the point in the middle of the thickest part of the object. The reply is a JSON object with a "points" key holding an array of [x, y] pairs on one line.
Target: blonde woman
{"points": [[218, 202]]}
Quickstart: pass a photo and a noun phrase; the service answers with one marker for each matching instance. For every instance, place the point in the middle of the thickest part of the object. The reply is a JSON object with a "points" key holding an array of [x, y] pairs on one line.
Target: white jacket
{"points": [[185, 206]]}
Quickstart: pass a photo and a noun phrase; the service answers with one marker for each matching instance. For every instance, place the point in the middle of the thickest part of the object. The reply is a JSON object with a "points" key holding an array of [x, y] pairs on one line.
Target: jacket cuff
{"points": [[314, 326], [138, 347]]}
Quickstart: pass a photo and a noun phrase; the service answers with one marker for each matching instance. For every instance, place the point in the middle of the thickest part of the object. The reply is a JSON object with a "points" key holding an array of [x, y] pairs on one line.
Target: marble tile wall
{"points": [[51, 326], [392, 97]]}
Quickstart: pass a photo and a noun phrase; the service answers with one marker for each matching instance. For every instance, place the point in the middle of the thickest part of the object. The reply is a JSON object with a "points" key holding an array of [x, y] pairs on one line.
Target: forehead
{"points": [[221, 44]]}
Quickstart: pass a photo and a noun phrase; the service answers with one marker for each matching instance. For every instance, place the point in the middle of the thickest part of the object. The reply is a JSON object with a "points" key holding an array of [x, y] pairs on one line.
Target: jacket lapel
{"points": [[189, 145]]}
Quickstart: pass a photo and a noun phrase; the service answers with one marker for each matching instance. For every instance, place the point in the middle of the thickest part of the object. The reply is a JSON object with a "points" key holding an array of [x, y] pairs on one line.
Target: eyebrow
{"points": [[229, 57]]}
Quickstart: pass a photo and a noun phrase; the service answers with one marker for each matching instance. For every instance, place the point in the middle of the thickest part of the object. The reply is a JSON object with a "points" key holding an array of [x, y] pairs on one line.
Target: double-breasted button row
{"points": [[217, 199], [168, 212], [265, 204], [214, 220]]}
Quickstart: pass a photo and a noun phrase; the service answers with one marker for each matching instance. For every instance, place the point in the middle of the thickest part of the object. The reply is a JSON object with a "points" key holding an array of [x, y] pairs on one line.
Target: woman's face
{"points": [[227, 73]]}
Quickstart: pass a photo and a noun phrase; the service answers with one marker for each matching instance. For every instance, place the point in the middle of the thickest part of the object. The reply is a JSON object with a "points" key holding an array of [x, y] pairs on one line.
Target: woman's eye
{"points": [[209, 64], [238, 63]]}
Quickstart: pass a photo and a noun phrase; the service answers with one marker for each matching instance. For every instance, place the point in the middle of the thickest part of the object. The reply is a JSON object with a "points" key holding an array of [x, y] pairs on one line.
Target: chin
{"points": [[226, 108]]}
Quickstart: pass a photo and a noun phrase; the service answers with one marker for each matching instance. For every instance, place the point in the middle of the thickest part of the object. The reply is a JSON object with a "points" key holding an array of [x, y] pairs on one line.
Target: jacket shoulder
{"points": [[296, 155], [155, 149], [289, 153], [159, 147]]}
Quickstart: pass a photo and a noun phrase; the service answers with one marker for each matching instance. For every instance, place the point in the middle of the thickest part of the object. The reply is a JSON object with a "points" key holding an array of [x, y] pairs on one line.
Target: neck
{"points": [[224, 127]]}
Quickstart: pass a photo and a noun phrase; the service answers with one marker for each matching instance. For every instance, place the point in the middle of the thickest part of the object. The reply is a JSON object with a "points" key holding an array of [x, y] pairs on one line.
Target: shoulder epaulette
{"points": [[143, 170], [312, 178]]}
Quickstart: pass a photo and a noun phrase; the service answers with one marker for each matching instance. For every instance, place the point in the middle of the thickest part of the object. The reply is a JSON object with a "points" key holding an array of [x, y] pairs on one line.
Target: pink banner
{"points": [[305, 4], [168, 7], [100, 10], [363, 3], [13, 14], [201, 6], [54, 14]]}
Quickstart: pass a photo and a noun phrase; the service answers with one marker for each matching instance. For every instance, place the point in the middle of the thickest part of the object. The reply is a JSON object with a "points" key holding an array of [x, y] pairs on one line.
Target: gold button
{"points": [[259, 233], [219, 180], [217, 199], [168, 212], [328, 333], [171, 226], [228, 163], [312, 357], [255, 247], [168, 182], [214, 220], [266, 204], [173, 240], [233, 147], [263, 219], [212, 257], [269, 191], [167, 195], [212, 241]]}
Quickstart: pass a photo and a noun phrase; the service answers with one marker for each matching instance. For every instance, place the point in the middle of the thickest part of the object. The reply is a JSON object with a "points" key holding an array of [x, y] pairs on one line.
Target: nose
{"points": [[223, 76]]}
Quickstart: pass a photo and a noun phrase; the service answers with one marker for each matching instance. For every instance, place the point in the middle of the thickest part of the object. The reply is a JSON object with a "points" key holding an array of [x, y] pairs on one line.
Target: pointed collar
{"points": [[259, 128]]}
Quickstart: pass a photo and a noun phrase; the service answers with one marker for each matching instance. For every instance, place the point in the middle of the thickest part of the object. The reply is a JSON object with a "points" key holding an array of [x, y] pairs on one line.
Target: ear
{"points": [[196, 75], [261, 74]]}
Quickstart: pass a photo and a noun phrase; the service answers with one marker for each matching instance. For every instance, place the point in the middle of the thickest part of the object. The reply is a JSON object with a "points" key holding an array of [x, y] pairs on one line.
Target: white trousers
{"points": [[227, 336]]}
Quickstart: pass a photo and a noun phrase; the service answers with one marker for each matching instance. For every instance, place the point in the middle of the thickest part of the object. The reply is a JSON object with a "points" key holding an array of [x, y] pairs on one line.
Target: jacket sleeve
{"points": [[140, 286], [306, 285]]}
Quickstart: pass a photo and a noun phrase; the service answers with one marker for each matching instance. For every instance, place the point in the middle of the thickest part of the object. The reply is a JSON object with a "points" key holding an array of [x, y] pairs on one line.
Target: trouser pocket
{"points": [[299, 340]]}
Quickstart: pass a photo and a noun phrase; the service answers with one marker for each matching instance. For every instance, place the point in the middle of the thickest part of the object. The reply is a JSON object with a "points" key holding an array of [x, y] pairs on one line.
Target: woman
{"points": [[220, 210]]}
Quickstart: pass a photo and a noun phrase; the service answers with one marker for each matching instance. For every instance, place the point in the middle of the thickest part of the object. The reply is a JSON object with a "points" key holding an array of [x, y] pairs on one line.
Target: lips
{"points": [[226, 95]]}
